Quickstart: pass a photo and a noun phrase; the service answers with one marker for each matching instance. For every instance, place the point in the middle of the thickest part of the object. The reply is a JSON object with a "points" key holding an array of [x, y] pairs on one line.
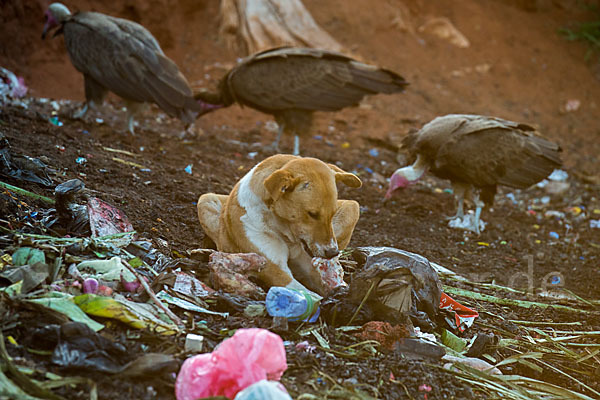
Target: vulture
{"points": [[291, 83], [123, 57], [477, 154]]}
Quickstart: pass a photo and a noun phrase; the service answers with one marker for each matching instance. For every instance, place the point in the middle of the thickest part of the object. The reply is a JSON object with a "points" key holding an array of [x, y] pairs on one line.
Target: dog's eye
{"points": [[313, 215]]}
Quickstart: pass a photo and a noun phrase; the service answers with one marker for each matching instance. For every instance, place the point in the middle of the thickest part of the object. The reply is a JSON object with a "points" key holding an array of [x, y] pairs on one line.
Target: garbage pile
{"points": [[83, 297]]}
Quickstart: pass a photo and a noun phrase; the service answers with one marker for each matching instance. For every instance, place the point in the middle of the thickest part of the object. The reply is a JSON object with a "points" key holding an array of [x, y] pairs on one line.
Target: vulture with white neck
{"points": [[123, 57], [477, 154], [291, 83]]}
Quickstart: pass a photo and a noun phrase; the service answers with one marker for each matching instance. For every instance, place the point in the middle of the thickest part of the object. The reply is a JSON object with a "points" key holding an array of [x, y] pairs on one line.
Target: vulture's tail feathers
{"points": [[540, 159], [376, 80]]}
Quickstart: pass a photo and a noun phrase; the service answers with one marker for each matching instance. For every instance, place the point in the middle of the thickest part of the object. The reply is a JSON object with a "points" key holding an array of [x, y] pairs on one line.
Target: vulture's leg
{"points": [[275, 145], [296, 145], [479, 204], [82, 111], [459, 193], [94, 95], [133, 108]]}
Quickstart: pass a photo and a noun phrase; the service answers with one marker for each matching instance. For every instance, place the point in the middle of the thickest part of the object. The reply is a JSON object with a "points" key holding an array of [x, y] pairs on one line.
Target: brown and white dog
{"points": [[286, 209]]}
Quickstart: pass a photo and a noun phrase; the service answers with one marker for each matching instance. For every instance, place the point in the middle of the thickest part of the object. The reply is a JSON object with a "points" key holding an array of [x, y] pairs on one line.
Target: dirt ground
{"points": [[517, 66]]}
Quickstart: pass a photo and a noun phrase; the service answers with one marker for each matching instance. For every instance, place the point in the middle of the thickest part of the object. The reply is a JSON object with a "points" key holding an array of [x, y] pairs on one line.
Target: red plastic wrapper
{"points": [[463, 316]]}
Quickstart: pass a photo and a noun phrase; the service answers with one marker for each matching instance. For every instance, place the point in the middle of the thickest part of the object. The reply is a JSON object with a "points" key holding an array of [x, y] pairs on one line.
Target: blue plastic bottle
{"points": [[295, 305]]}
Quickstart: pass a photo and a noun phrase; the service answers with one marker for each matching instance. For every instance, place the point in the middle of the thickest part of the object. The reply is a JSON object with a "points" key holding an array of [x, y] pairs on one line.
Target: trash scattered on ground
{"points": [[193, 343], [22, 167], [384, 333], [331, 271], [292, 304], [472, 362], [457, 315], [264, 390], [106, 219], [249, 356], [393, 285], [11, 86], [385, 329], [231, 272]]}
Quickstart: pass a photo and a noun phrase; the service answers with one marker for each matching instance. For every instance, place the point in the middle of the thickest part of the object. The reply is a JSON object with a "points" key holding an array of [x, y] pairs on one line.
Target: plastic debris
{"points": [[32, 275], [463, 317], [454, 342], [187, 305], [55, 121], [193, 343], [63, 303], [136, 315], [106, 270], [292, 304], [11, 86], [553, 235], [81, 160], [264, 390], [554, 213], [472, 362], [393, 285], [188, 169], [76, 346], [231, 272], [80, 347], [595, 223], [249, 356], [545, 200], [374, 153], [27, 256]]}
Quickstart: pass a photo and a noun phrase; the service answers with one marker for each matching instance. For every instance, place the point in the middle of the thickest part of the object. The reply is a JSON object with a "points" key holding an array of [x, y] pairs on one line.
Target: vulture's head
{"points": [[55, 15], [406, 176]]}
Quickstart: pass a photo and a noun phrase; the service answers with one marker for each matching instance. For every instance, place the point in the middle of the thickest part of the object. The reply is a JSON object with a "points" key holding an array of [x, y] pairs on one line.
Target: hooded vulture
{"points": [[123, 57], [477, 152], [291, 83]]}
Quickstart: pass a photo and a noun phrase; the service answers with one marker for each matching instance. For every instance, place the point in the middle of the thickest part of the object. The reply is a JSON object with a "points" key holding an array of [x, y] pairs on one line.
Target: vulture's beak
{"points": [[387, 197], [45, 31]]}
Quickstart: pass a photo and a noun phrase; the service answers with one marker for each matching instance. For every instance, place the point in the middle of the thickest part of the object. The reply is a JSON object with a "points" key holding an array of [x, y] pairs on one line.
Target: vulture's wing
{"points": [[124, 57], [307, 79], [137, 31], [490, 151]]}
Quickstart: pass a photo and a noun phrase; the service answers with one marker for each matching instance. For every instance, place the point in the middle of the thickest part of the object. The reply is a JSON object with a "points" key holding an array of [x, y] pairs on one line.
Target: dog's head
{"points": [[304, 194]]}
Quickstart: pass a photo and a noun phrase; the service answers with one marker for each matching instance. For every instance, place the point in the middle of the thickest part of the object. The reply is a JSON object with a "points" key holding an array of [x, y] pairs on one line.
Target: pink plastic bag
{"points": [[249, 356]]}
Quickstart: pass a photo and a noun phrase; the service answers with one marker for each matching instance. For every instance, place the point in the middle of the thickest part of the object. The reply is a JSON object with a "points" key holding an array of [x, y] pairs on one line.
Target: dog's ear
{"points": [[345, 177], [280, 182]]}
